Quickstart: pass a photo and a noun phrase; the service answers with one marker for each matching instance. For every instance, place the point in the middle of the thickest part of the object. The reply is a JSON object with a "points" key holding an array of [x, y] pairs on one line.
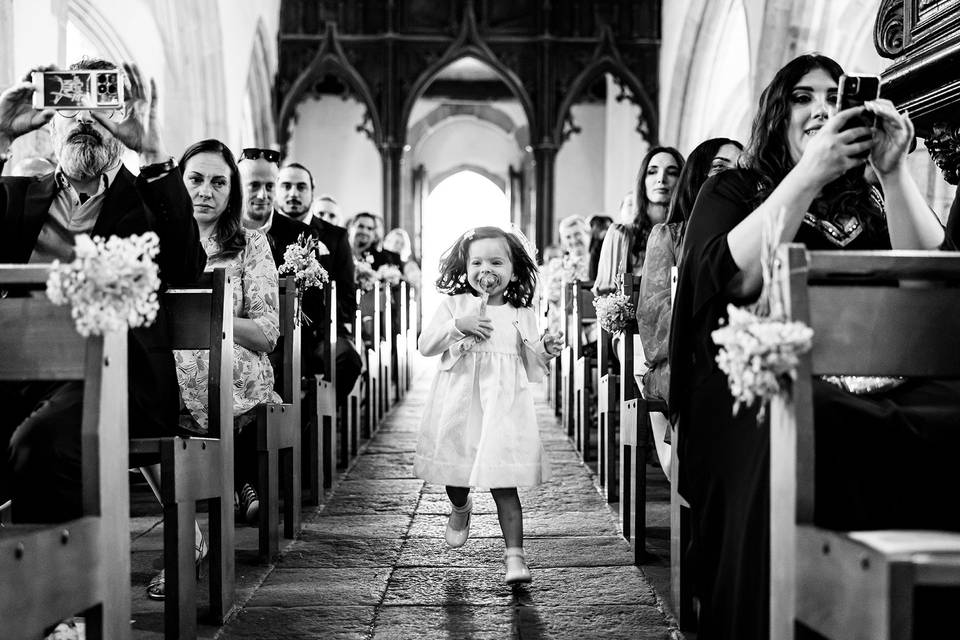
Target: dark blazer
{"points": [[132, 206], [284, 231], [381, 257], [953, 223]]}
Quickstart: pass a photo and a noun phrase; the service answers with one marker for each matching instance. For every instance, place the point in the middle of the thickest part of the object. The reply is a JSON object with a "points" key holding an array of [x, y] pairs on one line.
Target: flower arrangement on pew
{"points": [[390, 275], [300, 260], [614, 311], [759, 348], [111, 284]]}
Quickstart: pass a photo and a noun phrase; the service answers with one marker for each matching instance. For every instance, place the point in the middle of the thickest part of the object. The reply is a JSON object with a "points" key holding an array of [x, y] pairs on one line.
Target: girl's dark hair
{"points": [[692, 177], [768, 152], [641, 222], [229, 233], [453, 267]]}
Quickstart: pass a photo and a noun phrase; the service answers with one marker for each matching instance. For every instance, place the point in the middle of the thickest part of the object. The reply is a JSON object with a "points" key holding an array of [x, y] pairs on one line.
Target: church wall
{"points": [[581, 165], [344, 162]]}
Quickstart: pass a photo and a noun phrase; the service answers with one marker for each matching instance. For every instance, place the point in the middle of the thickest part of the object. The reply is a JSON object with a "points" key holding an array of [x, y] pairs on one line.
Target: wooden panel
{"points": [[33, 274], [39, 341], [884, 331], [884, 265], [188, 315]]}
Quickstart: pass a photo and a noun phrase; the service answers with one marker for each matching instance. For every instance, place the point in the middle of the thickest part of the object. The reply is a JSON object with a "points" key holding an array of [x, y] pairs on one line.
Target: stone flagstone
{"points": [[371, 562]]}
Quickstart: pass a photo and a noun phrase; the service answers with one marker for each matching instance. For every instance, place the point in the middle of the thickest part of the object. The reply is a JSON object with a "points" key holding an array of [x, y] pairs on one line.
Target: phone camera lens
{"points": [[855, 84]]}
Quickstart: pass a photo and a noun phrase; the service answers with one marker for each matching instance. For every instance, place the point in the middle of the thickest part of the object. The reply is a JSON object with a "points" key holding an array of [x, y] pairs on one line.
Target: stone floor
{"points": [[371, 561]]}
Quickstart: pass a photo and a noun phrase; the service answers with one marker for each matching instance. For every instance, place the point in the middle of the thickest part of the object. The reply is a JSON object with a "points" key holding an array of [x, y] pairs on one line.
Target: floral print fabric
{"points": [[257, 297]]}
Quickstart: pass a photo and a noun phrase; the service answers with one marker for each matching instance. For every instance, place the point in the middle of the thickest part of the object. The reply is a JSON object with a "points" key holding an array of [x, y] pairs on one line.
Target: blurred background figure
{"points": [[398, 241], [599, 223], [326, 208], [33, 166]]}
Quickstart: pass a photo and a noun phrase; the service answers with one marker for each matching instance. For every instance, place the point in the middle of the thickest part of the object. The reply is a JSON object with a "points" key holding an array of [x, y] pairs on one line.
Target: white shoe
{"points": [[458, 525], [517, 570]]}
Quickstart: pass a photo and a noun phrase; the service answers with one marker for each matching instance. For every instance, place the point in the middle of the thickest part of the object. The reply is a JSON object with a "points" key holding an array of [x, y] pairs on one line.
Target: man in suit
{"points": [[365, 238], [89, 192], [287, 217]]}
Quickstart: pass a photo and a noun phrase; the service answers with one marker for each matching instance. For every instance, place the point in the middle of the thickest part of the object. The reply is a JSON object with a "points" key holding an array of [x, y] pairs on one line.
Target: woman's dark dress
{"points": [[883, 461]]}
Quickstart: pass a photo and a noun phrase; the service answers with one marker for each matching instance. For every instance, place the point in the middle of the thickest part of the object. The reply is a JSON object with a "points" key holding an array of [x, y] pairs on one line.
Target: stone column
{"points": [[544, 157], [391, 154]]}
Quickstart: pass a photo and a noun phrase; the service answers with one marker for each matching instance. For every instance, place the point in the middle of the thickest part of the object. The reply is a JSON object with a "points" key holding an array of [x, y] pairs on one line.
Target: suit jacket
{"points": [[441, 337], [382, 257], [284, 231], [132, 206]]}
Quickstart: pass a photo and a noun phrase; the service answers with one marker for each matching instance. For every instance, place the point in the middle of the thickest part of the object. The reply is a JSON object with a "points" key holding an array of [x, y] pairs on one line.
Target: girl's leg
{"points": [[510, 514], [458, 496]]}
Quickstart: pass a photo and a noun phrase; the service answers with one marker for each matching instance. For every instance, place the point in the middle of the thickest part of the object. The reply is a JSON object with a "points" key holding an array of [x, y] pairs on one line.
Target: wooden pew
{"points": [[856, 585], [322, 441], [608, 414], [198, 468], [278, 437], [681, 574], [571, 337], [387, 349], [370, 306], [354, 409], [634, 440], [584, 368], [401, 342], [53, 572]]}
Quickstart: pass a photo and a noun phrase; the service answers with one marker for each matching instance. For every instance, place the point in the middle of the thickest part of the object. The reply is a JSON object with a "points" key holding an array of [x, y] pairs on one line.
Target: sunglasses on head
{"points": [[253, 153]]}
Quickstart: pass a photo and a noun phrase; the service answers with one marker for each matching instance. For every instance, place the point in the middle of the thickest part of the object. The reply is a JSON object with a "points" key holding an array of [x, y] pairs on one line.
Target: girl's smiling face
{"points": [[488, 259]]}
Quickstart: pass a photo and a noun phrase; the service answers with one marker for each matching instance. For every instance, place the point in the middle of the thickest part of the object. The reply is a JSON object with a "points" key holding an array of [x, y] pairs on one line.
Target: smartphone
{"points": [[80, 89], [853, 92]]}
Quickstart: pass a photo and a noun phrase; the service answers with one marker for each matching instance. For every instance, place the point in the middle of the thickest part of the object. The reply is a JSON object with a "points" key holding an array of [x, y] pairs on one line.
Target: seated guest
{"points": [[365, 241], [398, 241], [663, 248], [573, 264], [798, 164], [624, 246], [326, 208], [599, 224], [290, 218], [258, 171], [89, 192], [213, 182]]}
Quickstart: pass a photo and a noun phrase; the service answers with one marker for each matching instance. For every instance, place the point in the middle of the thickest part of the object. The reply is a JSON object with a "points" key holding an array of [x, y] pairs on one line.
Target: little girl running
{"points": [[479, 426]]}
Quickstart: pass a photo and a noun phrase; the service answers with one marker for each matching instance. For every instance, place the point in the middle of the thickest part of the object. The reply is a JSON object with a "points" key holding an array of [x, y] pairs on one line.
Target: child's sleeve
{"points": [[441, 333]]}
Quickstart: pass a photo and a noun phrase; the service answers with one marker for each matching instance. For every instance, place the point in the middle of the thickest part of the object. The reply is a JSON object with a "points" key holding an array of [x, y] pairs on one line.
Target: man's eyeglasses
{"points": [[253, 153], [114, 114]]}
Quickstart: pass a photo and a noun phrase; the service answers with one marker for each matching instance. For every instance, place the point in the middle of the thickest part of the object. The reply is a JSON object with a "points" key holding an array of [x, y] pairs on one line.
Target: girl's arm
{"points": [[441, 333]]}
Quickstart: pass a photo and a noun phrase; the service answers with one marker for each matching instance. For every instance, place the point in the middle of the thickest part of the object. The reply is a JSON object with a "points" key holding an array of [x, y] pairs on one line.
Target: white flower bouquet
{"points": [[111, 284], [364, 275], [759, 348], [300, 261], [389, 274], [614, 311]]}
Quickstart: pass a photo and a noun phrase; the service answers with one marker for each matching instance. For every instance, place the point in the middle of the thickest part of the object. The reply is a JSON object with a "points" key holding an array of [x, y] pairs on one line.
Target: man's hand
{"points": [[17, 115], [552, 343], [477, 326], [139, 130]]}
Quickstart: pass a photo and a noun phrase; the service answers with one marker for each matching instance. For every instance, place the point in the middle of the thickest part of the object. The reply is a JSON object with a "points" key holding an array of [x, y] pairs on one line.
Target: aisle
{"points": [[372, 563]]}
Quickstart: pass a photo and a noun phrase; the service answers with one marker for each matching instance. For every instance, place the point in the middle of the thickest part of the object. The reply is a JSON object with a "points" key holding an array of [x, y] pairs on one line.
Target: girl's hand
{"points": [[552, 343], [480, 327], [891, 137], [831, 151]]}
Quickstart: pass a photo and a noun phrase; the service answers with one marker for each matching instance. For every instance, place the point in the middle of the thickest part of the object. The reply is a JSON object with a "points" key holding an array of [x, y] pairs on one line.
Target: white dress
{"points": [[479, 425]]}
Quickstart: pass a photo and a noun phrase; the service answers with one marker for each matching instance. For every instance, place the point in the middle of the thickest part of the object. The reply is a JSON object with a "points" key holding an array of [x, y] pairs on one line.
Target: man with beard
{"points": [[365, 239], [292, 198], [89, 192]]}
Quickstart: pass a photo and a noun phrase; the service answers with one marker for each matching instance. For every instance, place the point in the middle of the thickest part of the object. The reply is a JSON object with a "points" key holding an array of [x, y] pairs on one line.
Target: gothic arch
{"points": [[99, 30], [498, 118], [259, 88], [330, 60], [498, 180], [468, 44], [606, 59]]}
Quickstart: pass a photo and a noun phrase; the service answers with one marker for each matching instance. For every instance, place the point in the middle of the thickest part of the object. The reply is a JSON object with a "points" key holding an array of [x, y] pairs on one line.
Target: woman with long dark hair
{"points": [[625, 244], [804, 162], [663, 250], [212, 179]]}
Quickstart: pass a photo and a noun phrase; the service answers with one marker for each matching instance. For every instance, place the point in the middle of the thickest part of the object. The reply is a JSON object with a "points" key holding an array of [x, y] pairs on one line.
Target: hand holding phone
{"points": [[78, 89], [852, 92]]}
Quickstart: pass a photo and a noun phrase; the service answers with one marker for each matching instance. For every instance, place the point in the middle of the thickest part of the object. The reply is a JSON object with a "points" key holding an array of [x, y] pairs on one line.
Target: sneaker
{"points": [[458, 525], [517, 570], [249, 503]]}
